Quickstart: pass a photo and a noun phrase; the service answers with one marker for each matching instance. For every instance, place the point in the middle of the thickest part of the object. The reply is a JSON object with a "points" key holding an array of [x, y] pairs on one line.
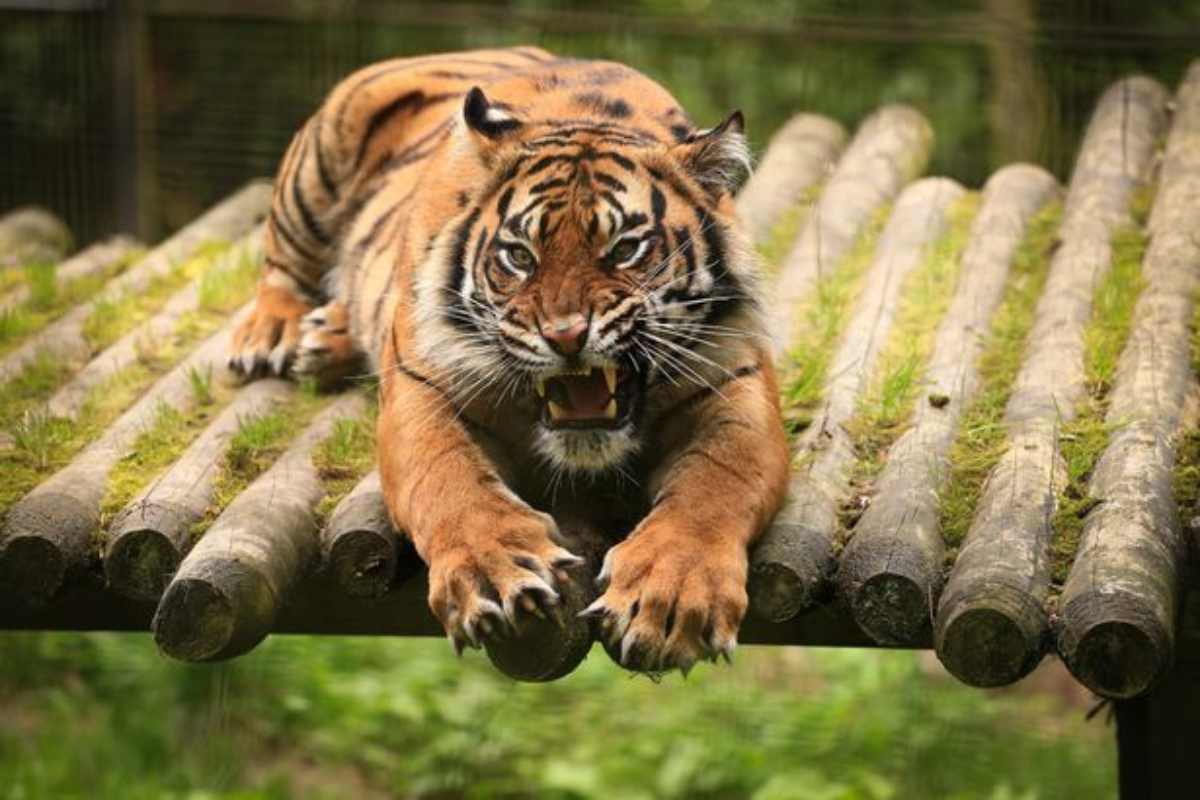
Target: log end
{"points": [[220, 609], [45, 536], [139, 562], [891, 608], [1118, 659], [362, 562], [31, 571], [779, 592], [986, 646], [789, 569]]}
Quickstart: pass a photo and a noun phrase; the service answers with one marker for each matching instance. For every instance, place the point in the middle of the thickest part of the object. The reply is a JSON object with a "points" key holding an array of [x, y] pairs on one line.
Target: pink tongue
{"points": [[588, 394]]}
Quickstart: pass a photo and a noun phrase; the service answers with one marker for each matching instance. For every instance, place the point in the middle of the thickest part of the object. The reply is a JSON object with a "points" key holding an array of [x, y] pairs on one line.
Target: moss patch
{"points": [[48, 301], [258, 442], [980, 440], [887, 405], [111, 319], [783, 233], [822, 319], [344, 458], [1083, 440], [1187, 454]]}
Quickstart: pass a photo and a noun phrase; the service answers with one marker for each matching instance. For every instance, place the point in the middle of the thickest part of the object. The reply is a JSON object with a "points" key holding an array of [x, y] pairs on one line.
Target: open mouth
{"points": [[588, 397]]}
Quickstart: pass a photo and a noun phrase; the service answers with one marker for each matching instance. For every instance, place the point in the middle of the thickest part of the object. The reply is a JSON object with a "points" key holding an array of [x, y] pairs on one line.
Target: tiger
{"points": [[540, 260]]}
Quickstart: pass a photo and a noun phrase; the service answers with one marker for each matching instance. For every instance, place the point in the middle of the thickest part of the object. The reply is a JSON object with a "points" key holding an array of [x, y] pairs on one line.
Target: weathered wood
{"points": [[892, 568], [91, 261], [64, 338], [993, 624], [797, 159], [229, 589], [69, 400], [149, 537], [790, 566], [1116, 627], [49, 533], [32, 234], [891, 147], [359, 546]]}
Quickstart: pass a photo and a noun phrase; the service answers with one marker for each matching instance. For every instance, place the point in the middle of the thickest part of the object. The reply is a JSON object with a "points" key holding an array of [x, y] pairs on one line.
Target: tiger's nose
{"points": [[566, 335]]}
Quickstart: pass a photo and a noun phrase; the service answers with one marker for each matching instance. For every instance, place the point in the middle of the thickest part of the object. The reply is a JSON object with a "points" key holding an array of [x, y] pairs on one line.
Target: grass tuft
{"points": [[1083, 439], [980, 441], [823, 318], [887, 405], [344, 458], [782, 237]]}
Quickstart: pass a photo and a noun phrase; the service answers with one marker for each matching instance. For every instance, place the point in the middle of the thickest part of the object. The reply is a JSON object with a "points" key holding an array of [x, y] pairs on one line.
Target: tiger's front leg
{"points": [[675, 589], [491, 557]]}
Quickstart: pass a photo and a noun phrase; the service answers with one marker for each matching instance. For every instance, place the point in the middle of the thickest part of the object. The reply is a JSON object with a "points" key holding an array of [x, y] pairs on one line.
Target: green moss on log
{"points": [[980, 441], [823, 317], [48, 301], [783, 233], [259, 441], [1084, 438], [887, 405], [112, 318], [344, 458]]}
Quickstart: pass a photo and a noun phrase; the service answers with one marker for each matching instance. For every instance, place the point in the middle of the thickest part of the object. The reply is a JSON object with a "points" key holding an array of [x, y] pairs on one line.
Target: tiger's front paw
{"points": [[670, 600], [482, 584], [266, 342]]}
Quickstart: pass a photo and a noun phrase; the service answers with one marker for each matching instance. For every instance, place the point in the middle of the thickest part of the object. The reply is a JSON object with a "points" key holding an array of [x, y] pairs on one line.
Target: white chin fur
{"points": [[586, 450]]}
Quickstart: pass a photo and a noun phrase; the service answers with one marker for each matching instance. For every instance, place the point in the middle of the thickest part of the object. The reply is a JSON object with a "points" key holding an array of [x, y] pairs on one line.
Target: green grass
{"points": [[822, 319], [112, 318], [259, 440], [887, 405], [344, 458], [104, 716], [1083, 439], [48, 301], [783, 233], [980, 441]]}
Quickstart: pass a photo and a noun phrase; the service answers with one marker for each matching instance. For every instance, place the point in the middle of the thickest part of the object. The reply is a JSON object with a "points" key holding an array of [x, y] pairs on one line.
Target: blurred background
{"points": [[135, 116]]}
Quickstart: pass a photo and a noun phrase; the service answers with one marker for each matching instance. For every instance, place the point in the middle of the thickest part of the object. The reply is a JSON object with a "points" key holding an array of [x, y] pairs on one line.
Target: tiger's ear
{"points": [[490, 120], [718, 158]]}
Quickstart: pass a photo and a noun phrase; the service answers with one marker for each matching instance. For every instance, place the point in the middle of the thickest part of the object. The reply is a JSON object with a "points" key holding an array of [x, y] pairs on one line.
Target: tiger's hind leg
{"points": [[327, 351]]}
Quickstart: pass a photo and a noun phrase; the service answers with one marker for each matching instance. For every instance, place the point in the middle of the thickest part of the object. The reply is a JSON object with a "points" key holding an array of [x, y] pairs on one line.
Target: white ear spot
{"points": [[486, 118]]}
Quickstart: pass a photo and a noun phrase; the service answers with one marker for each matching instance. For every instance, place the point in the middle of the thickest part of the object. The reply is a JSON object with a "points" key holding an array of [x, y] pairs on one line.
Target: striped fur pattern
{"points": [[540, 259]]}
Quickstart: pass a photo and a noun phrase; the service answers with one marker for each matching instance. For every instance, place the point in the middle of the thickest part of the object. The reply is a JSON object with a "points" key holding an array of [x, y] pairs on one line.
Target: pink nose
{"points": [[566, 335]]}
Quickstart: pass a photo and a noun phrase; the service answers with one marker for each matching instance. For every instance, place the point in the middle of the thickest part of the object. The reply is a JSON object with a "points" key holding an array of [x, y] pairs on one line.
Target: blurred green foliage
{"points": [[104, 716], [226, 85]]}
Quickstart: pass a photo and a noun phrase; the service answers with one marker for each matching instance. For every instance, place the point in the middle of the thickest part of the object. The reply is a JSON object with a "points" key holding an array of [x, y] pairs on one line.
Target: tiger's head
{"points": [[593, 266]]}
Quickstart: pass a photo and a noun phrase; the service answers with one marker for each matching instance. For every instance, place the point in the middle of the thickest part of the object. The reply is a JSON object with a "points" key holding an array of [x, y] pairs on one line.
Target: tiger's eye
{"points": [[520, 258], [624, 250]]}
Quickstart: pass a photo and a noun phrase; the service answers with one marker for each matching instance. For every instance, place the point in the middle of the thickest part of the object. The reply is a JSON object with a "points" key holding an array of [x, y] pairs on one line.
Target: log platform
{"points": [[257, 515]]}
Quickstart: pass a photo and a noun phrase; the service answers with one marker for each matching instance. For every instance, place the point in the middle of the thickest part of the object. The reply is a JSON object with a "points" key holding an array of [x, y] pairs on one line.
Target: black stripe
{"points": [[375, 312], [306, 215], [552, 183], [322, 169], [416, 102], [365, 242], [460, 319], [609, 181], [619, 159], [413, 152], [504, 201], [726, 284], [612, 200], [547, 161], [658, 205], [306, 284], [288, 237]]}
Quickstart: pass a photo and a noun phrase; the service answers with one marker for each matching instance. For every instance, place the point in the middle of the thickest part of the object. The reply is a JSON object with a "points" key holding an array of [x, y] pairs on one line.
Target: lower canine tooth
{"points": [[610, 411], [610, 377], [540, 385], [556, 411]]}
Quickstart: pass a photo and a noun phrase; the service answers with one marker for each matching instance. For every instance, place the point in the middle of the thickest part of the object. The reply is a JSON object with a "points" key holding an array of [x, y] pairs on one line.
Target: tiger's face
{"points": [[590, 275]]}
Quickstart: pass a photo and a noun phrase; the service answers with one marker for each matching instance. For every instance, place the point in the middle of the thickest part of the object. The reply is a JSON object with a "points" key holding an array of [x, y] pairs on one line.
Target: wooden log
{"points": [[790, 566], [891, 569], [69, 399], [1118, 610], [150, 536], [360, 548], [49, 533], [891, 147], [992, 625], [229, 589], [32, 234], [545, 649], [64, 338], [797, 159], [91, 261]]}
